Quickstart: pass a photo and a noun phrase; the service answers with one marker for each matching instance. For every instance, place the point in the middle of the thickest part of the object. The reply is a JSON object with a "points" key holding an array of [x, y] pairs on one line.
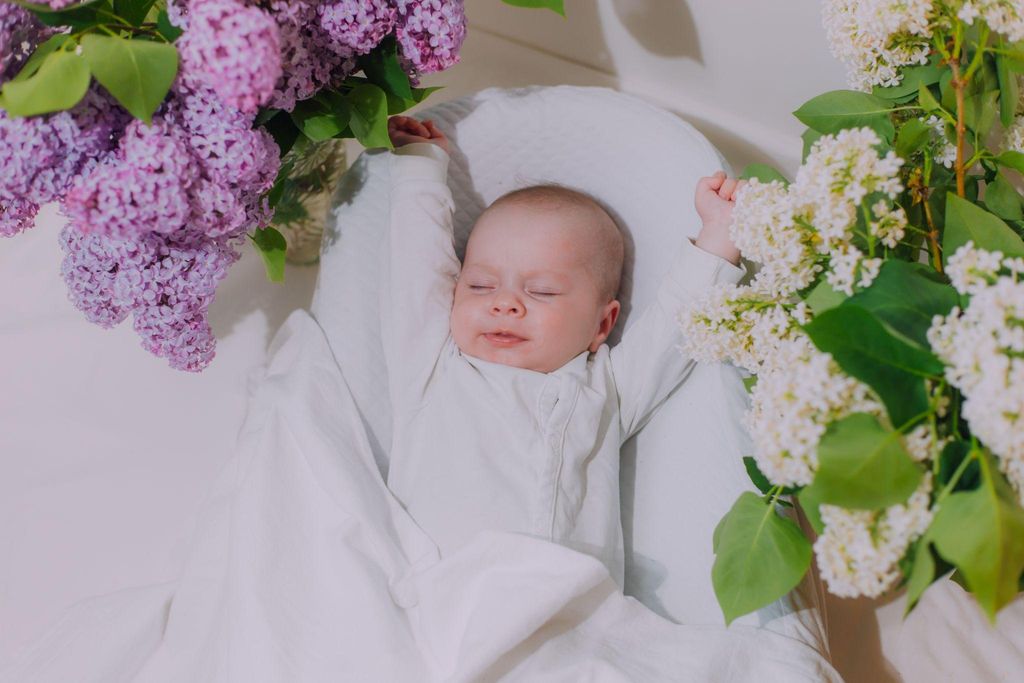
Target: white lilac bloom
{"points": [[840, 171], [737, 324], [983, 348], [859, 551], [798, 392], [922, 443], [971, 269], [1013, 140], [764, 230], [848, 268], [876, 38], [890, 224], [943, 151], [1002, 16]]}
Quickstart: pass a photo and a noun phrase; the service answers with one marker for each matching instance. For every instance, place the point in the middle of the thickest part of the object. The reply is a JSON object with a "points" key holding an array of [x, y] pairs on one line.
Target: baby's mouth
{"points": [[503, 338]]}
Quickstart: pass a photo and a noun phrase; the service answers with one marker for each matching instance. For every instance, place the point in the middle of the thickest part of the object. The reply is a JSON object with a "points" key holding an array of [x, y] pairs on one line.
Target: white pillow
{"points": [[683, 471]]}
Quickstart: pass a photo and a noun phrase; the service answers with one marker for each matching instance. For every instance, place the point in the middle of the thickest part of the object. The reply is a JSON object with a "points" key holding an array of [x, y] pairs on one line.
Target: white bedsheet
{"points": [[305, 568]]}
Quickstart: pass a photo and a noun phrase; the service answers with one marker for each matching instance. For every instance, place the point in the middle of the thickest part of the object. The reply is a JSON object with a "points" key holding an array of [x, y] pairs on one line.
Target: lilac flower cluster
{"points": [[167, 284], [157, 212], [19, 34], [358, 25], [41, 155], [237, 46], [430, 33], [154, 229]]}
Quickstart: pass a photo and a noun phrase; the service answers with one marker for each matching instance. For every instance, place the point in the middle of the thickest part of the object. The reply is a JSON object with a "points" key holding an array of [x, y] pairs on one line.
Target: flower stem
{"points": [[959, 84]]}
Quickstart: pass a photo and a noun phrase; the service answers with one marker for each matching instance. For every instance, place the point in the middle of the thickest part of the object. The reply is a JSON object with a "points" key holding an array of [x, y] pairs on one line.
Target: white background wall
{"points": [[735, 68]]}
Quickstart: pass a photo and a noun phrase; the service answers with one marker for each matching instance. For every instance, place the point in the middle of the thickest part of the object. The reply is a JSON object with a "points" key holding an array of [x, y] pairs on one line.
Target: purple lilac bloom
{"points": [[40, 156], [90, 267], [236, 48], [356, 26], [166, 283], [145, 188], [16, 215], [309, 56], [20, 33], [238, 162], [430, 33]]}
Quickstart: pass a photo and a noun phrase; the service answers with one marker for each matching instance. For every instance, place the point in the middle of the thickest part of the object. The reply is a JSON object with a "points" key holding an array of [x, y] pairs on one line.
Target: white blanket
{"points": [[305, 568]]}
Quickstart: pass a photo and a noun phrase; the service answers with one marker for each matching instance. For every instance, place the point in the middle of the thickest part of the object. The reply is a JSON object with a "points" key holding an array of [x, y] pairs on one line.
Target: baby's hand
{"points": [[405, 130], [715, 199]]}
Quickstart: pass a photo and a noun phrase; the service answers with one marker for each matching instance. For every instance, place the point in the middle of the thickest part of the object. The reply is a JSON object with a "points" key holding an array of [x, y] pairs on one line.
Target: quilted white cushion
{"points": [[683, 471]]}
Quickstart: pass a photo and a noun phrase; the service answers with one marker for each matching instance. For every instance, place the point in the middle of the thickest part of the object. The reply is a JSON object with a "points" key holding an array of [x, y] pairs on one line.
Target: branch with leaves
{"points": [[884, 329]]}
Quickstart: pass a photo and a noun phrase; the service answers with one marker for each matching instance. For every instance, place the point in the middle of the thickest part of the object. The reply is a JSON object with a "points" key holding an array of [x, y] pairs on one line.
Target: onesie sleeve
{"points": [[647, 364], [420, 272]]}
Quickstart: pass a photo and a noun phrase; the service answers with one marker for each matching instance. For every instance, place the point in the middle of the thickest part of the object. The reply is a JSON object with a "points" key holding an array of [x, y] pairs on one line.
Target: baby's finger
{"points": [[434, 130], [727, 188], [710, 183]]}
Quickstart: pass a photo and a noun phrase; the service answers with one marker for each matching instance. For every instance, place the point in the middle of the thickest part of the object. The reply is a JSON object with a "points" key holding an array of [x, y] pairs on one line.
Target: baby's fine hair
{"points": [[609, 245]]}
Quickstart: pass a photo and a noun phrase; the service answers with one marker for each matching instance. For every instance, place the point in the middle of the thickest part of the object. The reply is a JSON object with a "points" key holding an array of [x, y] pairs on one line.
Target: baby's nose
{"points": [[507, 305]]}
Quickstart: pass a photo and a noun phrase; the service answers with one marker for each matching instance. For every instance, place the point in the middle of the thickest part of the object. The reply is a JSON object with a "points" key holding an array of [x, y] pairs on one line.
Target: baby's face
{"points": [[526, 296]]}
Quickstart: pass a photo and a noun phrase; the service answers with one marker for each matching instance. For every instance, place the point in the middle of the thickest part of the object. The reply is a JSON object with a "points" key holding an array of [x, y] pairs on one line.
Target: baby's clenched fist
{"points": [[715, 200], [405, 130]]}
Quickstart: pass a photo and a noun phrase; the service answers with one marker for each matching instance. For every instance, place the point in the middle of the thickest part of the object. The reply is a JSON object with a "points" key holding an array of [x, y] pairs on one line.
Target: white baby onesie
{"points": [[477, 445]]}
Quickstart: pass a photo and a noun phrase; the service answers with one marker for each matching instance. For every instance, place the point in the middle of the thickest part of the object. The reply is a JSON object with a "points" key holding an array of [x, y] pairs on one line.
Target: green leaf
{"points": [[749, 383], [557, 6], [980, 111], [982, 533], [967, 222], [864, 466], [282, 128], [1009, 91], [822, 297], [59, 84], [906, 296], [809, 502], [839, 109], [950, 459], [41, 53], [927, 100], [383, 68], [396, 105], [764, 173], [809, 136], [759, 557], [165, 28], [913, 78], [134, 11], [864, 349], [272, 246], [922, 575], [1002, 199], [1014, 160], [138, 73], [913, 135], [758, 479], [321, 118], [370, 116]]}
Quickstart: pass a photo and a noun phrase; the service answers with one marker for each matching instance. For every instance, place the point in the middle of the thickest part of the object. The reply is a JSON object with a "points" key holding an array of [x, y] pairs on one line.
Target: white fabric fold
{"points": [[305, 568]]}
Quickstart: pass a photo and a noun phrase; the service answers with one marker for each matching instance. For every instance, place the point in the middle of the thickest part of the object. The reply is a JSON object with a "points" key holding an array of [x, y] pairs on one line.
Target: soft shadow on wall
{"points": [[657, 32]]}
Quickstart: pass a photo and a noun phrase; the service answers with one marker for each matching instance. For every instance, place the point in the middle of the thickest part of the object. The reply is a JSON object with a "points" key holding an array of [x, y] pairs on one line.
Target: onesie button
{"points": [[403, 592]]}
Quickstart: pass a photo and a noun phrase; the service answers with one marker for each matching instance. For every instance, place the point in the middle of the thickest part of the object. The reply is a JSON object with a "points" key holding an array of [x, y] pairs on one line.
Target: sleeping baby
{"points": [[509, 408]]}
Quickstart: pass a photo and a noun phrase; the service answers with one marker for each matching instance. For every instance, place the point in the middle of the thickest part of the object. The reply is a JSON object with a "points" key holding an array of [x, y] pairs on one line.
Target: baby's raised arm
{"points": [[421, 266], [647, 364]]}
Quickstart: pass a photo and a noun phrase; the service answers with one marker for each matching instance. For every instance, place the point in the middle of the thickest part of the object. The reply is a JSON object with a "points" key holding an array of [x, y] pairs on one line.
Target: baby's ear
{"points": [[609, 314]]}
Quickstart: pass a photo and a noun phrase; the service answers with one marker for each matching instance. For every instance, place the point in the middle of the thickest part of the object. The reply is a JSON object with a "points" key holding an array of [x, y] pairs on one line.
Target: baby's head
{"points": [[539, 280]]}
